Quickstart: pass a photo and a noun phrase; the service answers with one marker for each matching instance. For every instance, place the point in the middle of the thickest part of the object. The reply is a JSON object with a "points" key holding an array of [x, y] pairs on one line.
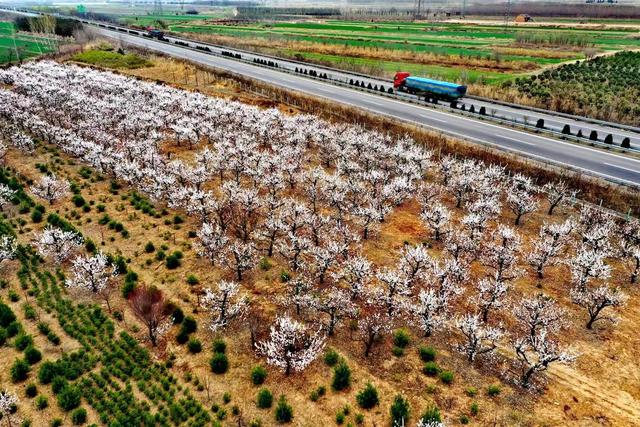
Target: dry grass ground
{"points": [[601, 389]]}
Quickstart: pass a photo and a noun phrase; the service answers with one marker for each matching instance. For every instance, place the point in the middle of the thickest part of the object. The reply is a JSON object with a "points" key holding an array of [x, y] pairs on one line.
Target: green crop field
{"points": [[524, 49], [27, 46], [169, 19]]}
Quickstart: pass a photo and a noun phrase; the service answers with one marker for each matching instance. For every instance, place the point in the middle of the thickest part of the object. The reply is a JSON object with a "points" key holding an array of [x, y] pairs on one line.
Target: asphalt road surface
{"points": [[617, 168], [519, 115]]}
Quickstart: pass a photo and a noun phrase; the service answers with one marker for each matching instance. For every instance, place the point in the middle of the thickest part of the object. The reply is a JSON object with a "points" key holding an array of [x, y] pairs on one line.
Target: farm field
{"points": [[460, 47], [605, 88], [28, 46], [169, 19], [163, 252]]}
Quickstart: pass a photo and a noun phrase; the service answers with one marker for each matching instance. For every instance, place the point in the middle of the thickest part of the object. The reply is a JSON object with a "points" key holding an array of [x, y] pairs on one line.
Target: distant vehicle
{"points": [[432, 90], [155, 34]]}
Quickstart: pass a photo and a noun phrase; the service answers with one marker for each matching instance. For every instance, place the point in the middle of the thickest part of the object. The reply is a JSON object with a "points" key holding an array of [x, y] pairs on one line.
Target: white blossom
{"points": [[478, 338], [291, 346], [224, 303], [6, 195], [51, 188], [8, 246], [58, 244]]}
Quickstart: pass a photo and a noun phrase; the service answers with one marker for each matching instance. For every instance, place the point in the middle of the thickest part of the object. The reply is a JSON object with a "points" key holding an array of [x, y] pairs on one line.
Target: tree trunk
{"points": [[152, 336], [369, 345]]}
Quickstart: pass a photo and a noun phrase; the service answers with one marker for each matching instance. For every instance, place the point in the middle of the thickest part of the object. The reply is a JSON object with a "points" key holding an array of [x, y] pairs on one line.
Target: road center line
{"points": [[426, 116], [623, 168], [516, 140]]}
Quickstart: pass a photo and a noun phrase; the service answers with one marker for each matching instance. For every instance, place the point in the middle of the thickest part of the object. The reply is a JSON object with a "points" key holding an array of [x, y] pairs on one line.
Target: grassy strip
{"points": [[110, 59]]}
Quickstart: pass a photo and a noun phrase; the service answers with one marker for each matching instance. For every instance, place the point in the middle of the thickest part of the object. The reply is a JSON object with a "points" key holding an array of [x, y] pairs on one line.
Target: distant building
{"points": [[523, 17]]}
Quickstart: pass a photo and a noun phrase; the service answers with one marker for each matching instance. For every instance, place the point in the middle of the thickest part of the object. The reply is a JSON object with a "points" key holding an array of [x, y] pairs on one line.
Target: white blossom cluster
{"points": [[310, 192]]}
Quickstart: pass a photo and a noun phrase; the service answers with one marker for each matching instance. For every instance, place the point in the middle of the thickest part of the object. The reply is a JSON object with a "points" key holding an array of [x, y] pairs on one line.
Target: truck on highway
{"points": [[155, 34], [432, 90]]}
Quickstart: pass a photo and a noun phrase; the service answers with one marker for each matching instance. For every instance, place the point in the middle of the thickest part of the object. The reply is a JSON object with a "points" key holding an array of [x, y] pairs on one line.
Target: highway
{"points": [[614, 167], [518, 114]]}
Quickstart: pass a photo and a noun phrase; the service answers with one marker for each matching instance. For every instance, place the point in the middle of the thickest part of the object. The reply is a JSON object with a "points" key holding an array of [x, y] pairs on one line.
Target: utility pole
{"points": [[507, 15], [417, 9], [157, 7]]}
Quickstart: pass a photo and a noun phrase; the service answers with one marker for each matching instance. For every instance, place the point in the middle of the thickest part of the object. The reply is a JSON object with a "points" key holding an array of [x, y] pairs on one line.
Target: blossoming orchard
{"points": [[497, 270]]}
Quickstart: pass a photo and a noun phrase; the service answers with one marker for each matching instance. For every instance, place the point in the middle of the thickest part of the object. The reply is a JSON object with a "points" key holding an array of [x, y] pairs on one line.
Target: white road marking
{"points": [[516, 140], [620, 167], [433, 118]]}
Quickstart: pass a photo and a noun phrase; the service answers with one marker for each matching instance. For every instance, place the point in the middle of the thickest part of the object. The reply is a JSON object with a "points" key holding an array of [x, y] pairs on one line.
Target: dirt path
{"points": [[612, 402]]}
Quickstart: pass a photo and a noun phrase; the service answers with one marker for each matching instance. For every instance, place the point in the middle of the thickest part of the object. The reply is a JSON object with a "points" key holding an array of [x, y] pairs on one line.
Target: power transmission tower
{"points": [[464, 8], [157, 7], [507, 14], [417, 9]]}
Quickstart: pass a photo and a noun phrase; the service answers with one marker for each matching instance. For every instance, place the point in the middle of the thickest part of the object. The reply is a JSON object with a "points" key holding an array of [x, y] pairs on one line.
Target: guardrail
{"points": [[556, 113]]}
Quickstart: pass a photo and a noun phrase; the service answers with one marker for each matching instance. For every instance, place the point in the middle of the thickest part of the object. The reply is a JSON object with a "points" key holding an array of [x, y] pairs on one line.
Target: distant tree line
{"points": [[63, 27], [558, 9], [259, 12]]}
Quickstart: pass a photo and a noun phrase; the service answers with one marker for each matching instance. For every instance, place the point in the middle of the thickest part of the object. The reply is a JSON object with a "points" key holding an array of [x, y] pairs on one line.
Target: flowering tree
{"points": [[596, 228], [630, 245], [92, 274], [373, 324], [298, 293], [521, 197], [491, 296], [557, 193], [58, 244], [51, 188], [414, 264], [535, 354], [7, 247], [356, 272], [6, 195], [8, 402], [22, 142], [3, 153], [322, 258], [225, 304], [294, 248], [428, 310], [501, 254], [239, 257], [479, 339], [212, 241], [588, 265], [538, 313], [291, 347], [336, 305], [150, 306], [552, 240], [271, 229], [395, 287], [436, 216], [596, 300]]}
